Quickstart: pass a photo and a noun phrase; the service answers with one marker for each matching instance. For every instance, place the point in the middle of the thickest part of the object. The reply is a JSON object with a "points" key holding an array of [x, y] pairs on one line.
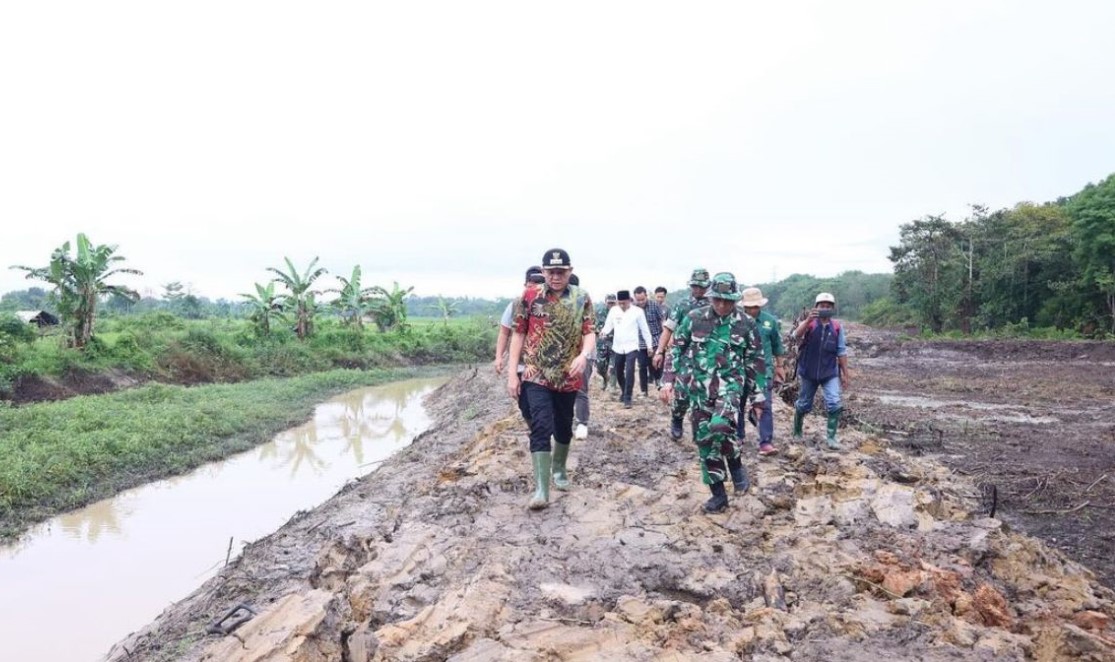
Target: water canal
{"points": [[80, 582]]}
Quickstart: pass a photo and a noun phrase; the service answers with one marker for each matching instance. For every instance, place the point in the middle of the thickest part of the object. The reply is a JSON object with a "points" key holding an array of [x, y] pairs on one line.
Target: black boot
{"points": [[740, 481], [675, 428], [719, 501]]}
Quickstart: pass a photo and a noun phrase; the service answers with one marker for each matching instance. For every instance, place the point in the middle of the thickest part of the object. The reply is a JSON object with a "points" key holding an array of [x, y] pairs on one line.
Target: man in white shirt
{"points": [[627, 323]]}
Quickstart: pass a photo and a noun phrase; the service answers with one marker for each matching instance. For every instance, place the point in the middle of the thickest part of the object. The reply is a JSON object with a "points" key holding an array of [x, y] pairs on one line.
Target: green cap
{"points": [[699, 277], [724, 286]]}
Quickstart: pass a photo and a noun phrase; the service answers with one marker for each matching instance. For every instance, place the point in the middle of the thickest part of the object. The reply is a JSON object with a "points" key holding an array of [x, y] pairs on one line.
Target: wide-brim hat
{"points": [[699, 277], [752, 296], [724, 286]]}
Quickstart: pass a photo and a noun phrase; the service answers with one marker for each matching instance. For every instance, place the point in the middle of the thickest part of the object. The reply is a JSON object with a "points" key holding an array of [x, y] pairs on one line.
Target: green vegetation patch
{"points": [[158, 346], [61, 455]]}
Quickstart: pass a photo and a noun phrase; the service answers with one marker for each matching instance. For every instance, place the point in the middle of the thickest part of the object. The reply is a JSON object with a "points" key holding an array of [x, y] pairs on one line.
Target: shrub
{"points": [[15, 329], [885, 312], [154, 321]]}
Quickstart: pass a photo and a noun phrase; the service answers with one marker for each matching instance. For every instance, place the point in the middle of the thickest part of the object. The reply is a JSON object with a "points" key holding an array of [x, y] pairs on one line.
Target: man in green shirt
{"points": [[770, 331]]}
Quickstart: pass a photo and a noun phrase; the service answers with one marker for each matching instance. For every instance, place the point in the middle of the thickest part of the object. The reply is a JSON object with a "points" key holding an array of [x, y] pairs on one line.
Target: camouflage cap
{"points": [[724, 286], [609, 298], [699, 277]]}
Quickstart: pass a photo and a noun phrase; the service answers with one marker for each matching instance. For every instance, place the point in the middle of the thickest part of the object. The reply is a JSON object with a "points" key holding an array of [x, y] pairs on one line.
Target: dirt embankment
{"points": [[861, 555], [1030, 422], [41, 388]]}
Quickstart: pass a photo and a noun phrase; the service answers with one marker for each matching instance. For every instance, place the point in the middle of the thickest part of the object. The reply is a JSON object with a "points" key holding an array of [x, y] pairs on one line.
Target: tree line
{"points": [[79, 276], [1032, 265], [80, 291]]}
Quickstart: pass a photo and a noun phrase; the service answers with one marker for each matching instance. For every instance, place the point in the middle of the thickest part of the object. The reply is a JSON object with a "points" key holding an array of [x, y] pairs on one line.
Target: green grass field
{"points": [[56, 456]]}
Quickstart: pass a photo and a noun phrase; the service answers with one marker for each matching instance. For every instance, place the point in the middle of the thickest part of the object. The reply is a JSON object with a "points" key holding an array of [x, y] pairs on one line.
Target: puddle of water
{"points": [[82, 581], [927, 403], [1007, 418], [1012, 414]]}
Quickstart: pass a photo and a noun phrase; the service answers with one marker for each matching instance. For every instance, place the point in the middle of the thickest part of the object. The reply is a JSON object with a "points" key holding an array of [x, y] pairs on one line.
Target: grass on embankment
{"points": [[164, 348], [61, 455]]}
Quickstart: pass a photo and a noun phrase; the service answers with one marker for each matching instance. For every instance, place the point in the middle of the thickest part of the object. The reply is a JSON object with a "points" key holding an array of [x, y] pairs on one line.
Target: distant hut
{"points": [[39, 318]]}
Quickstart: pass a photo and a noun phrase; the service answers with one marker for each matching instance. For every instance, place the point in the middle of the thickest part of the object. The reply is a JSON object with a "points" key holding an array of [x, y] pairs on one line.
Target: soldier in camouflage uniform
{"points": [[719, 350], [604, 344], [698, 285]]}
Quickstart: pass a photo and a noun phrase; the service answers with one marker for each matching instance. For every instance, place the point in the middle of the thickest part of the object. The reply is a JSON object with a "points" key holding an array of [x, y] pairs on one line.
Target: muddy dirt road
{"points": [[1032, 422], [866, 554]]}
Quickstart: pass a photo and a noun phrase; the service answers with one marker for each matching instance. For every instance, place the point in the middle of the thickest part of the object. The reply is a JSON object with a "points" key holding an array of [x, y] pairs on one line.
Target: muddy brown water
{"points": [[77, 583]]}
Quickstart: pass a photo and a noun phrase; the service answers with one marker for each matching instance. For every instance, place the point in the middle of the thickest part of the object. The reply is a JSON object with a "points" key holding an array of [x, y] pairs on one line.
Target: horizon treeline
{"points": [[1031, 266], [1049, 265]]}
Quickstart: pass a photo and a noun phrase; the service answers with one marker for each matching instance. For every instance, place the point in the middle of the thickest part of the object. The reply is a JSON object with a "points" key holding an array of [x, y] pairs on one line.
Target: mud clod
{"points": [[853, 555]]}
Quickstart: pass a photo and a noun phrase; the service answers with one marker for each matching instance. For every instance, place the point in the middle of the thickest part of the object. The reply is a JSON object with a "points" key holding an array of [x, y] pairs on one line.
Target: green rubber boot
{"points": [[833, 423], [561, 478], [799, 420], [541, 497]]}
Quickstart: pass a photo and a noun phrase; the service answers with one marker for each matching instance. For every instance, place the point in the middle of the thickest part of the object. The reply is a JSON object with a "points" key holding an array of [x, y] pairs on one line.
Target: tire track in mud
{"points": [[861, 554]]}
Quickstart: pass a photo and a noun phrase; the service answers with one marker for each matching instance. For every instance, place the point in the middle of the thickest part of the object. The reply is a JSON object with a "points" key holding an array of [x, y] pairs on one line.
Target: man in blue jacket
{"points": [[822, 362]]}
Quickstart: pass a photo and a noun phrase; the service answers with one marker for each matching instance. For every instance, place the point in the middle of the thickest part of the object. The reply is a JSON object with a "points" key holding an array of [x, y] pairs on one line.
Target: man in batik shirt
{"points": [[554, 334]]}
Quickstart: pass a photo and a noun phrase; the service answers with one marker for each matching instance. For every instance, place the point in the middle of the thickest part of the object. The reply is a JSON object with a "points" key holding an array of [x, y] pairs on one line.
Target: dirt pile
{"points": [[42, 388], [855, 556], [1031, 422]]}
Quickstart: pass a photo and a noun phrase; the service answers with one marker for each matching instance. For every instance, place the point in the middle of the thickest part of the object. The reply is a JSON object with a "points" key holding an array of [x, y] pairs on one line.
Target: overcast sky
{"points": [[447, 145]]}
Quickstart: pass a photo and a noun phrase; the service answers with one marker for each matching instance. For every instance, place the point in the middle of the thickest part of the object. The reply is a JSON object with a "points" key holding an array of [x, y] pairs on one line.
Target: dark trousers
{"points": [[625, 373], [551, 415], [524, 406], [766, 421], [580, 409], [644, 367], [656, 373]]}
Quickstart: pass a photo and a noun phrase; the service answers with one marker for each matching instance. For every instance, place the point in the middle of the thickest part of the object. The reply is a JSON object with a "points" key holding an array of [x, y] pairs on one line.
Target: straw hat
{"points": [[753, 296]]}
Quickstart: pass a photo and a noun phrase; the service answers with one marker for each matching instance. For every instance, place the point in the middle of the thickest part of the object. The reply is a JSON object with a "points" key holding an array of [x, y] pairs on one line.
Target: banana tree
{"points": [[447, 308], [265, 307], [353, 301], [79, 281], [299, 298], [389, 309]]}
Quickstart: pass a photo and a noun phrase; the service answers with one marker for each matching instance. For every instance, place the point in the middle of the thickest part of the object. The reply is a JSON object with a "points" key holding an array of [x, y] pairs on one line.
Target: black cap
{"points": [[623, 295], [556, 258], [574, 280], [534, 275]]}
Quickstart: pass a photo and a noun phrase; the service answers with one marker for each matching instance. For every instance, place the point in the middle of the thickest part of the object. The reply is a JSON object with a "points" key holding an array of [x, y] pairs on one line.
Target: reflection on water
{"points": [[112, 567], [91, 522]]}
